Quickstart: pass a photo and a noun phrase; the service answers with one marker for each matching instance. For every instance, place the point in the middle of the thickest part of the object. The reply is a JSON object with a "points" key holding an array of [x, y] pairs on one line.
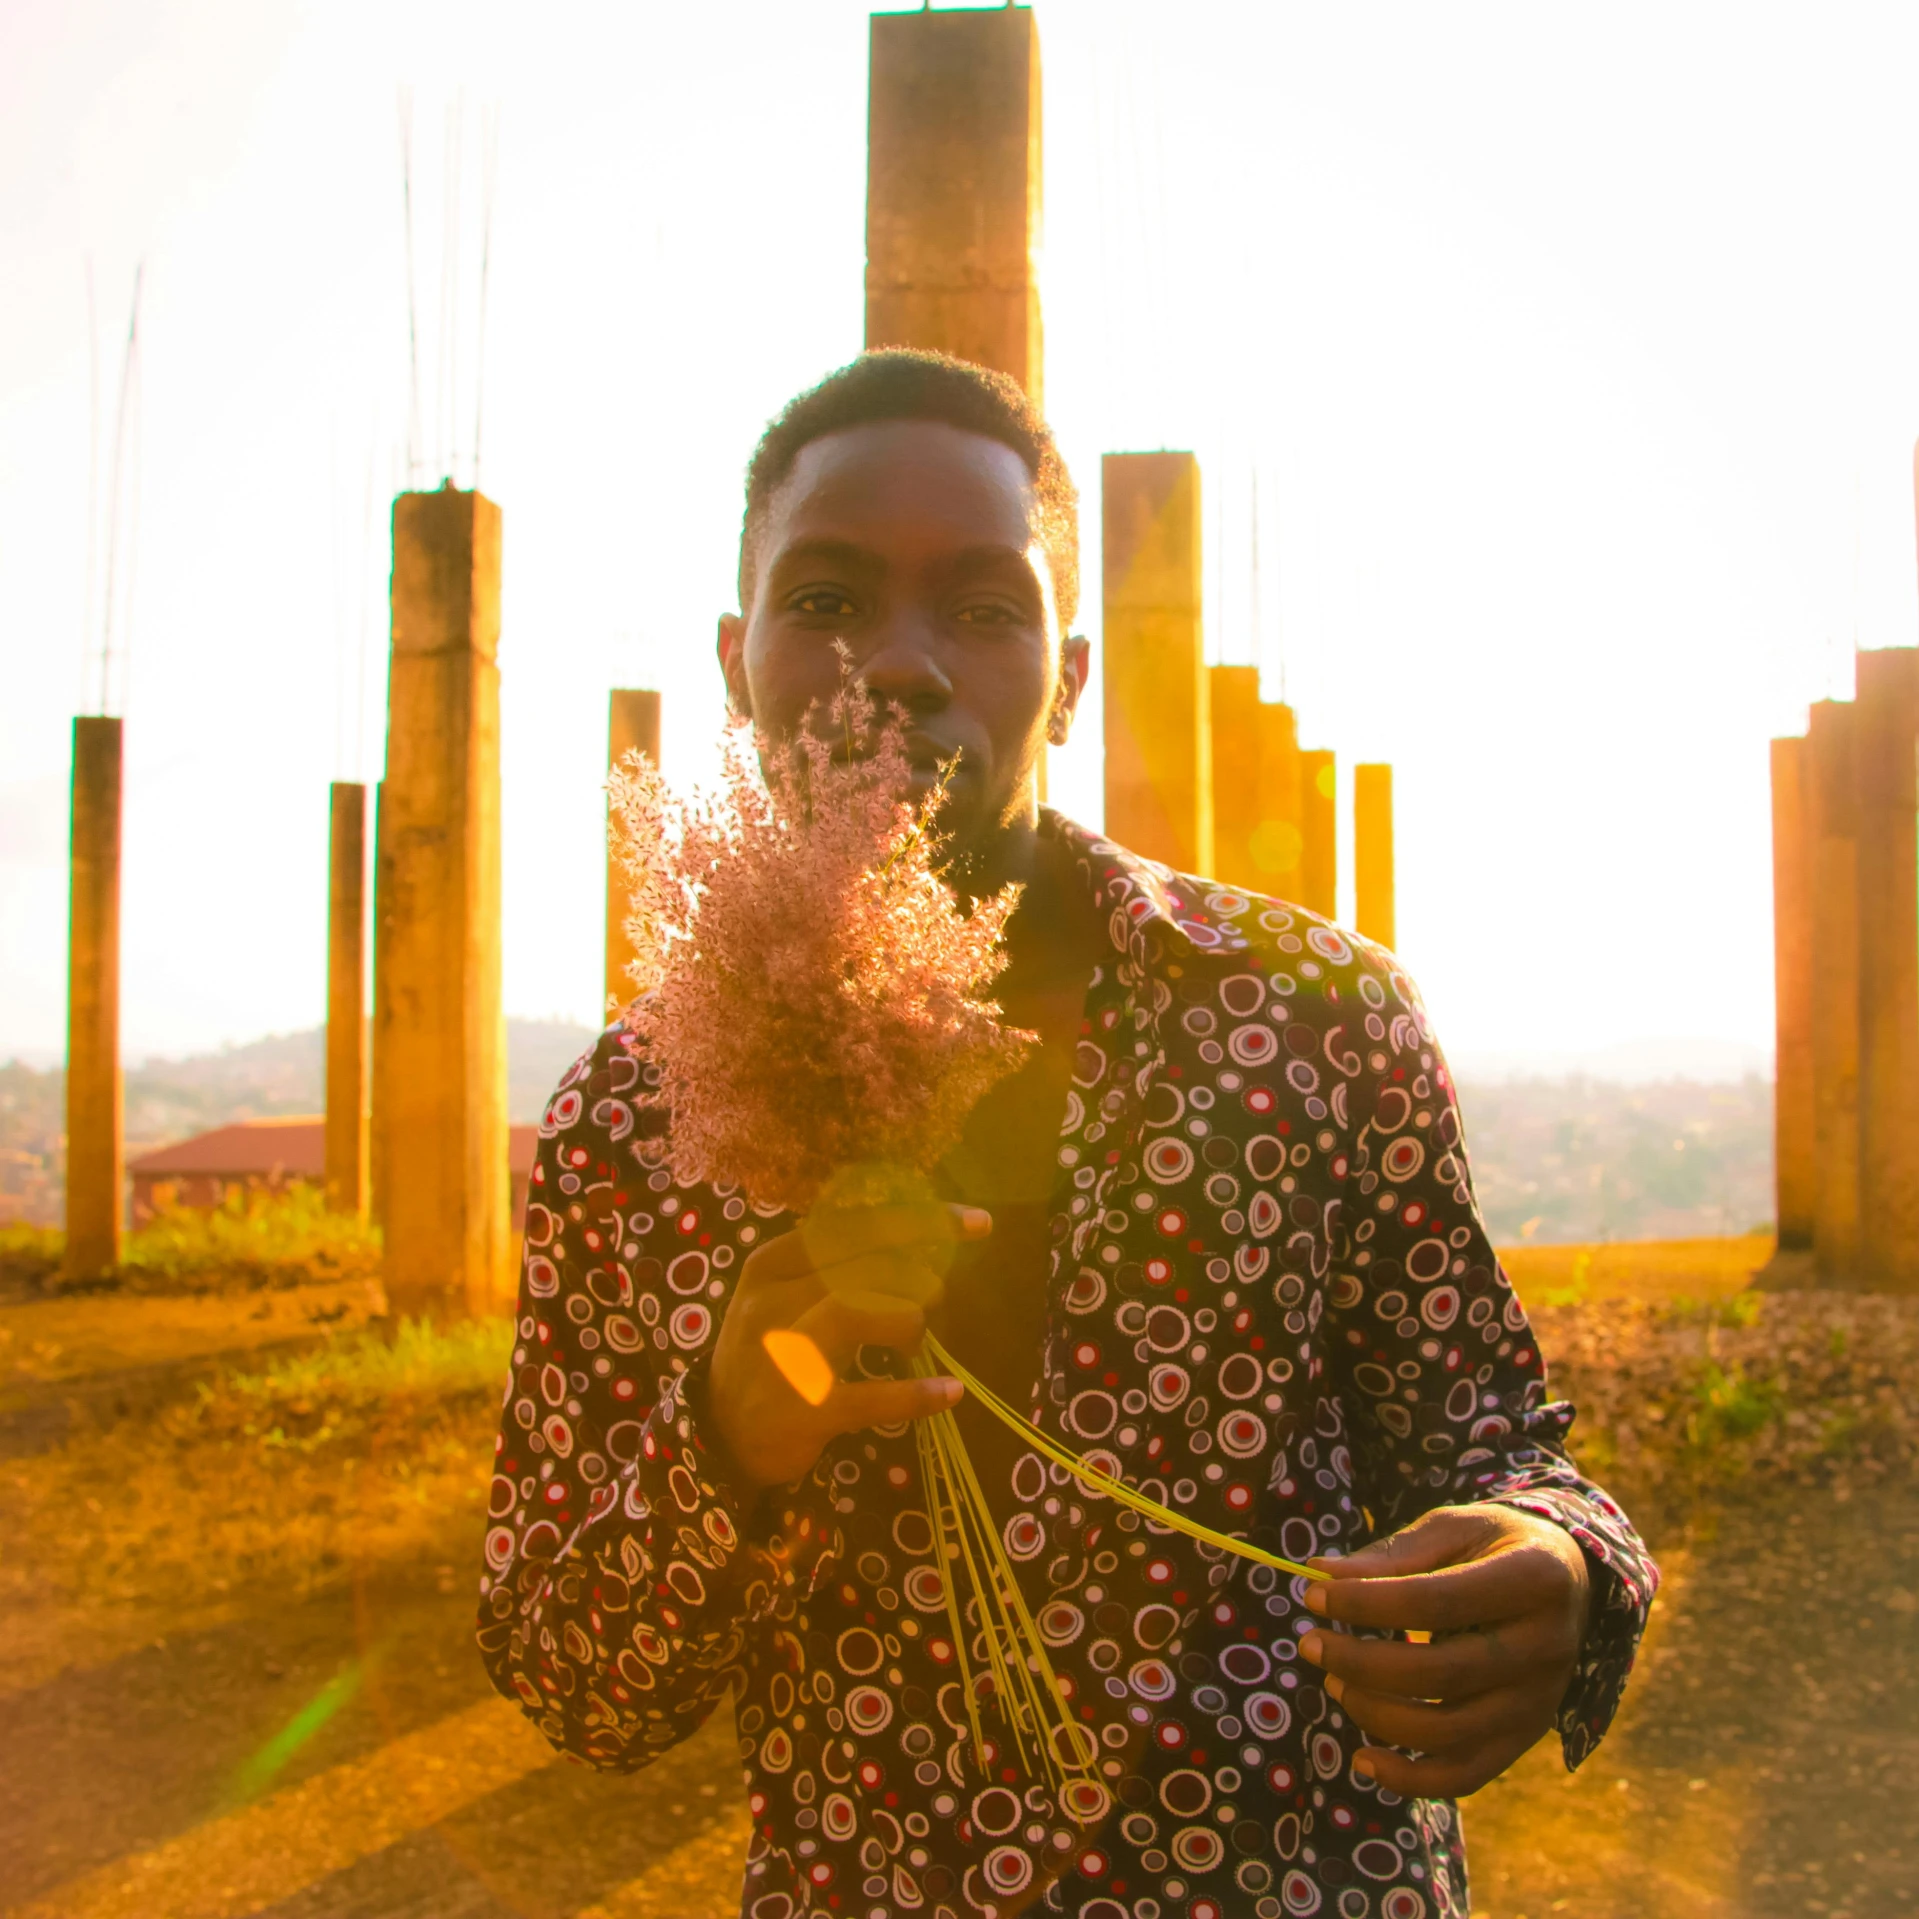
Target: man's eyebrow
{"points": [[972, 558], [824, 552]]}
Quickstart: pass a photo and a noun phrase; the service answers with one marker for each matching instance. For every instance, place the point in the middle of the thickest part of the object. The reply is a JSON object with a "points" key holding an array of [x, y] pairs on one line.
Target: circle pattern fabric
{"points": [[1271, 1304]]}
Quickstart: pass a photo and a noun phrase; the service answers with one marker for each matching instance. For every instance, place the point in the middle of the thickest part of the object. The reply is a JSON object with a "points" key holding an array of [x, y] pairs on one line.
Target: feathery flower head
{"points": [[813, 1001]]}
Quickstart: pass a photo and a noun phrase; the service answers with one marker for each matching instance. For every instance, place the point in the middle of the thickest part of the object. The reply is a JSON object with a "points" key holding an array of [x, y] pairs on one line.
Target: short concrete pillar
{"points": [[1158, 704], [953, 186], [1373, 914], [1833, 816], [1237, 746], [632, 726], [1319, 828], [96, 1201], [1887, 729], [347, 1150], [1795, 1150], [439, 1030]]}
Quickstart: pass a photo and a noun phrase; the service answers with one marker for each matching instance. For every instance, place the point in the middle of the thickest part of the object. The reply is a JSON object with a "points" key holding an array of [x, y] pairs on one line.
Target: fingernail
{"points": [[975, 1222], [1309, 1649], [1316, 1598], [949, 1391], [1335, 1685], [1363, 1769]]}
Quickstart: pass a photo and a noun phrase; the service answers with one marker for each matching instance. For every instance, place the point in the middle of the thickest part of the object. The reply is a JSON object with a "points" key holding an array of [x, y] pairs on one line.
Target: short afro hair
{"points": [[898, 383]]}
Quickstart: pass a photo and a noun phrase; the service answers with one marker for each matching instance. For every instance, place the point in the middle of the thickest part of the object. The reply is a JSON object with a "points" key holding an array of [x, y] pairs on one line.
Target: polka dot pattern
{"points": [[1271, 1304]]}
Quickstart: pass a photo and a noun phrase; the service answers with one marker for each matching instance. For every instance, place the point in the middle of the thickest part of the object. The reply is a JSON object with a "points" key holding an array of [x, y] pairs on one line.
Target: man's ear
{"points": [[731, 648], [1075, 662]]}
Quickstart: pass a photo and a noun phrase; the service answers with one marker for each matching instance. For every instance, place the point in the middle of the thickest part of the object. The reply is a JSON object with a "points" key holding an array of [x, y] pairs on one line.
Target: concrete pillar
{"points": [[953, 186], [1832, 807], [632, 726], [346, 1034], [1279, 843], [1319, 828], [1237, 744], [1887, 727], [95, 1178], [1158, 711], [1794, 1150], [1373, 915], [439, 1030]]}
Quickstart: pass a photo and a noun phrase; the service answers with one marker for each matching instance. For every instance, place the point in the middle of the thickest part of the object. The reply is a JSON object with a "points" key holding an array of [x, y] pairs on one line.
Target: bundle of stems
{"points": [[1025, 1688], [1103, 1483]]}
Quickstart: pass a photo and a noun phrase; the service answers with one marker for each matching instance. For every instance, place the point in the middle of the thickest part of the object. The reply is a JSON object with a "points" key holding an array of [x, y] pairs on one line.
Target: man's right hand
{"points": [[845, 1279]]}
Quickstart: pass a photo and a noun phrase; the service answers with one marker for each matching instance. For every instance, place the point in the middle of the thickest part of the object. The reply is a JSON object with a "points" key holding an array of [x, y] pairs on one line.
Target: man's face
{"points": [[913, 542]]}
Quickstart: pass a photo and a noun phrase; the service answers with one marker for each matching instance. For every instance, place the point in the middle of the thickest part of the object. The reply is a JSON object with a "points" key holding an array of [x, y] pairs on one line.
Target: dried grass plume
{"points": [[813, 1000]]}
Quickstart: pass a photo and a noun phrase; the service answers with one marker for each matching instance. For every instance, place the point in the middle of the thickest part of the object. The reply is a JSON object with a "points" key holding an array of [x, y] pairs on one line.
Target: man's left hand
{"points": [[1504, 1596]]}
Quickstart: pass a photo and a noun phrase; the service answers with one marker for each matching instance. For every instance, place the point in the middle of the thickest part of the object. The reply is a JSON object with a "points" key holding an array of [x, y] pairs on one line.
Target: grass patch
{"points": [[252, 1239]]}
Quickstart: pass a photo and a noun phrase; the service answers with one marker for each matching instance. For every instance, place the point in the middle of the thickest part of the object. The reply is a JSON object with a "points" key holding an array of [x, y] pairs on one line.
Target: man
{"points": [[1219, 1228]]}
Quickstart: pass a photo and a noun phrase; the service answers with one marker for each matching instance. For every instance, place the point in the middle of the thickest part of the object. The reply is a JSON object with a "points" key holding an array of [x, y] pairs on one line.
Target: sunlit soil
{"points": [[237, 1675], [1659, 1270]]}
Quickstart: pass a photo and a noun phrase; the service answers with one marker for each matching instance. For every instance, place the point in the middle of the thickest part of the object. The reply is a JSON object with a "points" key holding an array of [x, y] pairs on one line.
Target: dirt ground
{"points": [[327, 1747]]}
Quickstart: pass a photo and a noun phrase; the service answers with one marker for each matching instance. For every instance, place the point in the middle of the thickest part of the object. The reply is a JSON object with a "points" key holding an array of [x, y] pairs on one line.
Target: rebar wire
{"points": [[489, 178], [412, 289], [136, 465], [90, 583], [448, 383], [364, 573], [128, 370]]}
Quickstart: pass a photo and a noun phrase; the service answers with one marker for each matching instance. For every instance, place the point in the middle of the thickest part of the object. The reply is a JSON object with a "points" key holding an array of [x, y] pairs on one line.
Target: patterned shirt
{"points": [[1271, 1302]]}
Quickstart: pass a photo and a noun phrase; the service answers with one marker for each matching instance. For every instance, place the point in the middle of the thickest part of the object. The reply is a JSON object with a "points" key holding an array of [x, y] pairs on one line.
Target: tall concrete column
{"points": [[1158, 701], [1833, 812], [632, 726], [953, 186], [1373, 904], [1887, 727], [1319, 828], [1794, 1132], [95, 1178], [347, 1152], [439, 1030], [1237, 745]]}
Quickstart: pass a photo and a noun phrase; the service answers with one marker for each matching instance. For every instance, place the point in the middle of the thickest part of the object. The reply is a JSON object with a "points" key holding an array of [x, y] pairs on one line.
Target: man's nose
{"points": [[904, 666]]}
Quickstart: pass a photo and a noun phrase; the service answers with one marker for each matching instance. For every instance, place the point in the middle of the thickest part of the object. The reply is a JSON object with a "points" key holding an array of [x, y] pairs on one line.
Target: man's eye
{"points": [[990, 613], [822, 601]]}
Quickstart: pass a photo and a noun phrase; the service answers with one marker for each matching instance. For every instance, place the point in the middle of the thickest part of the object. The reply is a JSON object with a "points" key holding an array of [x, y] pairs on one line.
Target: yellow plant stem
{"points": [[1103, 1483]]}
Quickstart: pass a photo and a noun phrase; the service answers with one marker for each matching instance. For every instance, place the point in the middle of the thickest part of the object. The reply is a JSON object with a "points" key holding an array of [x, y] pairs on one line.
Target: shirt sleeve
{"points": [[1444, 1385], [619, 1589]]}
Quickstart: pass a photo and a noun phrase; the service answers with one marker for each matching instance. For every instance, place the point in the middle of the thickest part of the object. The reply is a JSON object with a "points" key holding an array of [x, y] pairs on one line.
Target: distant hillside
{"points": [[1554, 1160], [1583, 1159], [172, 1099]]}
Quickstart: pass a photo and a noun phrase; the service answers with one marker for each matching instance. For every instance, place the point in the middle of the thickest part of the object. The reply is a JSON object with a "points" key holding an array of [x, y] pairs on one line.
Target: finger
{"points": [[1445, 1537], [1445, 1730], [1448, 1776], [857, 1404], [1447, 1669], [1484, 1592], [840, 1327]]}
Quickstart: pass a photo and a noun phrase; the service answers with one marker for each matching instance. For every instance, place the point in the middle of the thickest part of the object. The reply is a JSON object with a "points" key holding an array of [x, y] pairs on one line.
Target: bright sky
{"points": [[1577, 351]]}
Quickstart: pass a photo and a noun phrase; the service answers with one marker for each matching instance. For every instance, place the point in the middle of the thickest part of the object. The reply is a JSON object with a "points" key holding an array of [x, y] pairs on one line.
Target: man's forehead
{"points": [[922, 478]]}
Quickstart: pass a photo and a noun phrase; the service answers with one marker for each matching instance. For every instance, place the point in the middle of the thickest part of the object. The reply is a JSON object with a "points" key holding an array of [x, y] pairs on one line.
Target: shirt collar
{"points": [[1136, 894]]}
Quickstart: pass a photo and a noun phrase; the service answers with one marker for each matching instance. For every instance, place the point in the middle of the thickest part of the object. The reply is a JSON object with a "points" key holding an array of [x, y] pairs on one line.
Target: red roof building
{"points": [[268, 1155]]}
